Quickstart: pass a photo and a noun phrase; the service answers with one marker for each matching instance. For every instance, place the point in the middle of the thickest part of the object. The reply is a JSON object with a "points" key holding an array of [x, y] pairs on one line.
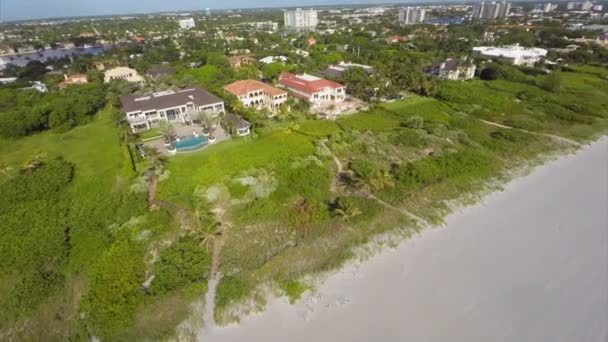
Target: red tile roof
{"points": [[310, 87], [243, 87]]}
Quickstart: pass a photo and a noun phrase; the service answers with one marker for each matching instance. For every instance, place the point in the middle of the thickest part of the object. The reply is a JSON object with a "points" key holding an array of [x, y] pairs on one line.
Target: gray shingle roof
{"points": [[168, 99]]}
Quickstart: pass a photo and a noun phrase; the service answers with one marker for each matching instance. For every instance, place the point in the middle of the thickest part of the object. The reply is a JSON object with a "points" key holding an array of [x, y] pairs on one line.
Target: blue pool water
{"points": [[190, 143]]}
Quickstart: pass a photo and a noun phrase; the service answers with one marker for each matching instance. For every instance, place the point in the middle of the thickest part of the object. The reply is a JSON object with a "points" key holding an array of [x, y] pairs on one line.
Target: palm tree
{"points": [[166, 129], [346, 210], [205, 221]]}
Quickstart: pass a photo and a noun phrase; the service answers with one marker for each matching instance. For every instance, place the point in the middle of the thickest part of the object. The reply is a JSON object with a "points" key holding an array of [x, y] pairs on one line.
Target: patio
{"points": [[182, 130]]}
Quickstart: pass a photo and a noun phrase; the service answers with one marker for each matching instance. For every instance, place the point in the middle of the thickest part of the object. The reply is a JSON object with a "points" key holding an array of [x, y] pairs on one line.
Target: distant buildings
{"points": [[455, 69], [493, 10], [273, 59], [37, 85], [240, 60], [514, 54], [411, 15], [257, 95], [144, 112], [207, 12], [123, 73], [579, 6], [550, 7], [316, 90], [338, 70], [265, 25], [186, 24], [300, 19]]}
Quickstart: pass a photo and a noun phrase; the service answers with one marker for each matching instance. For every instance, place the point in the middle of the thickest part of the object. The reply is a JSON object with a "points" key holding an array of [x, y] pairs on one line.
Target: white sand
{"points": [[528, 264]]}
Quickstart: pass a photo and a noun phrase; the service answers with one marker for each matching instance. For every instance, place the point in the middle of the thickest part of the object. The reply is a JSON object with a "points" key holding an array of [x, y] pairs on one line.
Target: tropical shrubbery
{"points": [[28, 111]]}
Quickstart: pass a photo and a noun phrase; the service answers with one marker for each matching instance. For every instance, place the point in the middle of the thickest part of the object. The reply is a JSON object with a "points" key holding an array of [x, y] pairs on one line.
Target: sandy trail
{"points": [[527, 264], [552, 136]]}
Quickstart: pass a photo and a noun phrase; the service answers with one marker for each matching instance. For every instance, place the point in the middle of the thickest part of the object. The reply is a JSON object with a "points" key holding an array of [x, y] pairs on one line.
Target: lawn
{"points": [[151, 134], [429, 109], [93, 148], [271, 150]]}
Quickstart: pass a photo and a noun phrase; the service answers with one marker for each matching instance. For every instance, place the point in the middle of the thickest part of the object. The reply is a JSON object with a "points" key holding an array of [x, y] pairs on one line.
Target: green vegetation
{"points": [[87, 252], [293, 290], [26, 112], [76, 237], [414, 154]]}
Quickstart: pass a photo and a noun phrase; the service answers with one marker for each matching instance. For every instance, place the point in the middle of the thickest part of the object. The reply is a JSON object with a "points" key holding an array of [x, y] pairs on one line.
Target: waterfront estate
{"points": [[255, 94], [316, 90], [143, 112]]}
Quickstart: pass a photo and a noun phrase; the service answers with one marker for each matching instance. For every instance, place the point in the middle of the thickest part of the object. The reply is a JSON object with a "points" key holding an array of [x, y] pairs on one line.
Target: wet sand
{"points": [[529, 263]]}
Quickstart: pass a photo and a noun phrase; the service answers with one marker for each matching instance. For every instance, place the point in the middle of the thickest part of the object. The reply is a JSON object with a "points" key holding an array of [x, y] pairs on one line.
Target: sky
{"points": [[37, 9]]}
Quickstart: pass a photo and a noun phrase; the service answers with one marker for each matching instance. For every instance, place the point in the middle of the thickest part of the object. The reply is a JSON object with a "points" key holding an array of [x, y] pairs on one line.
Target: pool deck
{"points": [[183, 130]]}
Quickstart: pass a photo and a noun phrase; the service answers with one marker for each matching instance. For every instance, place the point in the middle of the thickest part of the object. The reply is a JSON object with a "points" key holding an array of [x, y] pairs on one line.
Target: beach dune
{"points": [[529, 263]]}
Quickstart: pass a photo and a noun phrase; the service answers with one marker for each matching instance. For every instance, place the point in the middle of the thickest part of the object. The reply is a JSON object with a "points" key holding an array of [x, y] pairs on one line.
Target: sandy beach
{"points": [[529, 263]]}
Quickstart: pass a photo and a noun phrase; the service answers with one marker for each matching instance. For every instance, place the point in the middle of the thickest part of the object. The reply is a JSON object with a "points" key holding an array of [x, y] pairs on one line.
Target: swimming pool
{"points": [[190, 143]]}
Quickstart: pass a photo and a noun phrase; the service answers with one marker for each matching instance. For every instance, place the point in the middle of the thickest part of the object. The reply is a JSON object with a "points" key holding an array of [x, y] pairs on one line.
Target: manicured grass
{"points": [[93, 148], [318, 128], [429, 109], [152, 134], [229, 159]]}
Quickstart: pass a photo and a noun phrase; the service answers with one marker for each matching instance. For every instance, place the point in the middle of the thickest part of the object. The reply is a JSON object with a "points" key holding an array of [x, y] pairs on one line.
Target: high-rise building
{"points": [[186, 24], [586, 6], [208, 12], [301, 19], [579, 6], [549, 7], [493, 10], [411, 15]]}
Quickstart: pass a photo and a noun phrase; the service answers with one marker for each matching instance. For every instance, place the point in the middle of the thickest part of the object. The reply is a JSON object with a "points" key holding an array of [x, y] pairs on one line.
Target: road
{"points": [[529, 263]]}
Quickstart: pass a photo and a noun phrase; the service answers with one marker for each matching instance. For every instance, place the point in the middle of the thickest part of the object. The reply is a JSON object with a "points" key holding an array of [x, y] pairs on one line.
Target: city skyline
{"points": [[18, 10]]}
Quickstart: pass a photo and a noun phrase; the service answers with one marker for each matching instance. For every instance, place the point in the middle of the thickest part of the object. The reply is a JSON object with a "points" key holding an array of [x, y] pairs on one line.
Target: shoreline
{"points": [[344, 289]]}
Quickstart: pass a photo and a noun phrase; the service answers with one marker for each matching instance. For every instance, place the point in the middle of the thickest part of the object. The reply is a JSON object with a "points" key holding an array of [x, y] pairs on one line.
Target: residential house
{"points": [[316, 90], [123, 73], [75, 79], [37, 85], [240, 60], [338, 70], [236, 124], [99, 66], [144, 112], [273, 59], [138, 39], [255, 94], [514, 54], [159, 71], [455, 69]]}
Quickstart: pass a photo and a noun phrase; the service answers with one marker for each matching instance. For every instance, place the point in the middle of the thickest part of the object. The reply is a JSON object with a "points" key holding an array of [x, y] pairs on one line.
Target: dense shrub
{"points": [[61, 111], [230, 290], [465, 165], [185, 262], [407, 137], [115, 292]]}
